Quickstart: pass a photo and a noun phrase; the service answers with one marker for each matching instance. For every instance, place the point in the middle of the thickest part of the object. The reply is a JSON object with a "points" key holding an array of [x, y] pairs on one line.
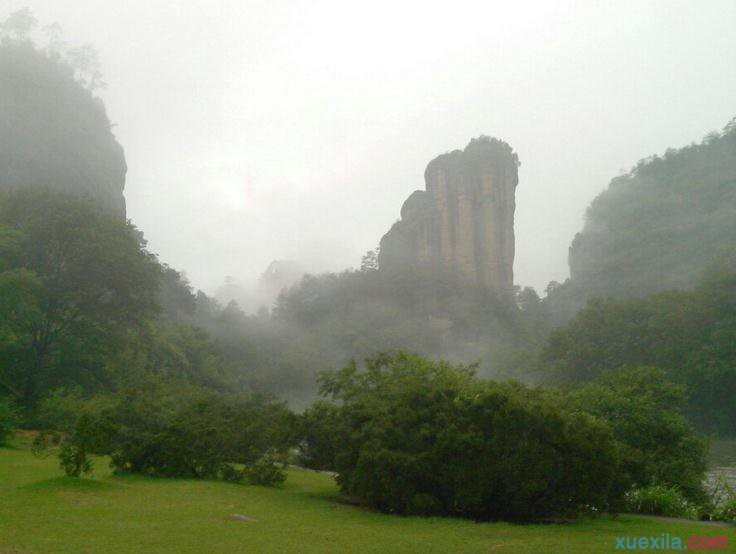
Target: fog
{"points": [[257, 131]]}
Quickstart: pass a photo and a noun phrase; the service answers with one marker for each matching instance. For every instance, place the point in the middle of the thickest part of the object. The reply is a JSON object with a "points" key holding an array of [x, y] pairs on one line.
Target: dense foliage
{"points": [[176, 432], [726, 512], [423, 437], [75, 282], [320, 429], [84, 304], [658, 446], [655, 228], [7, 420], [691, 335], [660, 500]]}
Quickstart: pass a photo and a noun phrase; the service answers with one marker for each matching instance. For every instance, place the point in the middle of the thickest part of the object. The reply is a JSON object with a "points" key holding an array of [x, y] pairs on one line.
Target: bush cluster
{"points": [[427, 438], [658, 446], [408, 435], [721, 505], [660, 500], [319, 425], [726, 512], [181, 433]]}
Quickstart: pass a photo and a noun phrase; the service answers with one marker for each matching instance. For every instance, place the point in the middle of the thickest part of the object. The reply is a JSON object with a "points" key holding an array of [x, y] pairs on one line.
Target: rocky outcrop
{"points": [[279, 274], [53, 132], [462, 224]]}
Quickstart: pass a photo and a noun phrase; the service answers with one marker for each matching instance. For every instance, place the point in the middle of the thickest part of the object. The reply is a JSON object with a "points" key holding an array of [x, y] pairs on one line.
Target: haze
{"points": [[267, 130]]}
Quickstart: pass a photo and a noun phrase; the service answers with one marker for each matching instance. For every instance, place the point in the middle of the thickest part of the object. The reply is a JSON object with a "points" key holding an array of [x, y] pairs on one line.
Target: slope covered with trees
{"points": [[84, 305], [657, 227], [691, 335], [54, 131]]}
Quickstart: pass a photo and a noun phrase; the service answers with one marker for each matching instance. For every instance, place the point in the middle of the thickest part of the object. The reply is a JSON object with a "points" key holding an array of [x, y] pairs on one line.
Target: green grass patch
{"points": [[41, 511]]}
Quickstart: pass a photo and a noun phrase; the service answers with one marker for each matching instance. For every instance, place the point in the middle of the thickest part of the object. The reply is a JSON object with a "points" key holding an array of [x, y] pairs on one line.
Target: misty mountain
{"points": [[656, 227], [54, 132]]}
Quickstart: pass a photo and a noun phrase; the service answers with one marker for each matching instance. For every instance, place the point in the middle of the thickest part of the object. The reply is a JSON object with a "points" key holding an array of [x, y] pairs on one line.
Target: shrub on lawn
{"points": [[427, 438], [721, 505], [74, 460], [660, 500], [726, 512], [658, 445], [179, 433], [319, 444], [70, 425], [196, 434], [267, 471], [228, 472]]}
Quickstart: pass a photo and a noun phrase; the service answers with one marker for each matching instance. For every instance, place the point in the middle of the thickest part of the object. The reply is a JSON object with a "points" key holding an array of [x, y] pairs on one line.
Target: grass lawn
{"points": [[42, 511]]}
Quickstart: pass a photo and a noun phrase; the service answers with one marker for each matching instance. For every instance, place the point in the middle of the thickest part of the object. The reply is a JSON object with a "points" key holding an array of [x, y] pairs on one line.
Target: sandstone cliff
{"points": [[463, 223], [53, 132]]}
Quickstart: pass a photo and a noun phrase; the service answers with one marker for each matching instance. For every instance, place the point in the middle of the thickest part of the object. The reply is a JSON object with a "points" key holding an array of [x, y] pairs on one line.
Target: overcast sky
{"points": [[256, 131]]}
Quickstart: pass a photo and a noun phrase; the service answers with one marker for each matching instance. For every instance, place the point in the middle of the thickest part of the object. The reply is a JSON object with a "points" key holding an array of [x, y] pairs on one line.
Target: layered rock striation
{"points": [[462, 224]]}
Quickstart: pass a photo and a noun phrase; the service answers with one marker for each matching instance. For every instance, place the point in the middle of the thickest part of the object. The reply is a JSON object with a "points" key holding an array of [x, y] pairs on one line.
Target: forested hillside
{"points": [[691, 335], [657, 227], [54, 131]]}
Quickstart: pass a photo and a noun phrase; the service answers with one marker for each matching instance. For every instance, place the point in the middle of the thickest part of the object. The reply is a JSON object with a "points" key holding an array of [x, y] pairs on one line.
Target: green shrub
{"points": [[427, 438], [8, 420], [183, 433], [726, 512], [722, 499], [319, 444], [79, 433], [74, 460], [60, 409], [658, 446], [423, 504], [266, 471], [230, 473], [661, 500]]}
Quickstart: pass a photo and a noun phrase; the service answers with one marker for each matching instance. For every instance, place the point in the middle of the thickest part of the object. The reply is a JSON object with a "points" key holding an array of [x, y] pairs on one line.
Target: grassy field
{"points": [[41, 511]]}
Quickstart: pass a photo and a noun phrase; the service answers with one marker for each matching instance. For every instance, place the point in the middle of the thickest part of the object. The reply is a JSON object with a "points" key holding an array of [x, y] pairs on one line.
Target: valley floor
{"points": [[41, 511]]}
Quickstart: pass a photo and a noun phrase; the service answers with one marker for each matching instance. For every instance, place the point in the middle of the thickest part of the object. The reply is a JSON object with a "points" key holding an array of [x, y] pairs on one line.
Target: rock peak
{"points": [[463, 222]]}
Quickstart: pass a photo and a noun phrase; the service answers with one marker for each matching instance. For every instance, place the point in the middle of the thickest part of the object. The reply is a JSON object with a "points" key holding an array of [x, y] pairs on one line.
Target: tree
{"points": [[691, 335], [646, 233], [18, 24], [645, 411], [81, 281], [369, 262], [414, 436], [178, 302], [176, 431], [20, 311]]}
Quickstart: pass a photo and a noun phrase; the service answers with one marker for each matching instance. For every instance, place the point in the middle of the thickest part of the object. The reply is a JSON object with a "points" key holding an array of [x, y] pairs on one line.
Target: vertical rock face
{"points": [[463, 223]]}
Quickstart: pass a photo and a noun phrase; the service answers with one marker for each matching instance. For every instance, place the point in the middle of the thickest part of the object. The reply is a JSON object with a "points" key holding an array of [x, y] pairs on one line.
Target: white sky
{"points": [[259, 130]]}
